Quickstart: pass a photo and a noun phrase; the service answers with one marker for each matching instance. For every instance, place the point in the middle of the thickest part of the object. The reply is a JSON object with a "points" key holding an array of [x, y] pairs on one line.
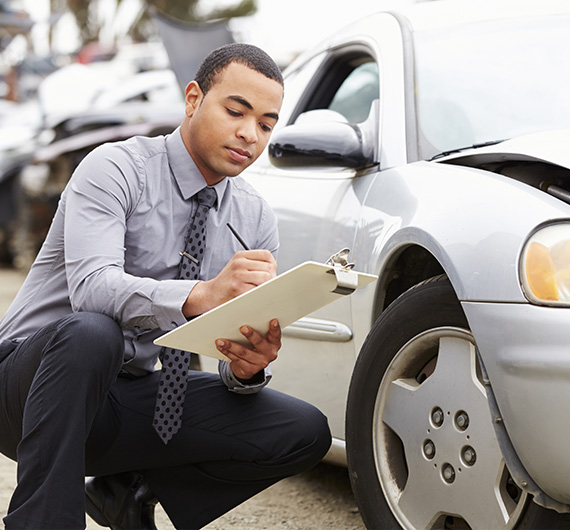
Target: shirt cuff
{"points": [[237, 386], [168, 301]]}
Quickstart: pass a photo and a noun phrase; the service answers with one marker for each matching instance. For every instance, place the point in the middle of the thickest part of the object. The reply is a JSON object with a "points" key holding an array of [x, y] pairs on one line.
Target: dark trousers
{"points": [[65, 414]]}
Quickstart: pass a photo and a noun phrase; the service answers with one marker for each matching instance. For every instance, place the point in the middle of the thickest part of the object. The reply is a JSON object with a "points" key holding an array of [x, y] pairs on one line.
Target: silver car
{"points": [[430, 142]]}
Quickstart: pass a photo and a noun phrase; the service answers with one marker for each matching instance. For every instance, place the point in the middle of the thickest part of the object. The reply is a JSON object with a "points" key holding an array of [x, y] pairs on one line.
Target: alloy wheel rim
{"points": [[435, 448]]}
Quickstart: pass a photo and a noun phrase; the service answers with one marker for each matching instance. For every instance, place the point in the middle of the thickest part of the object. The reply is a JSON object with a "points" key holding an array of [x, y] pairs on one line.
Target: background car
{"points": [[146, 103], [430, 141]]}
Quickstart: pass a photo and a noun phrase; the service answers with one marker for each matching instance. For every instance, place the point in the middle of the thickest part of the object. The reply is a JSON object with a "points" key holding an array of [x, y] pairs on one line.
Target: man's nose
{"points": [[248, 131]]}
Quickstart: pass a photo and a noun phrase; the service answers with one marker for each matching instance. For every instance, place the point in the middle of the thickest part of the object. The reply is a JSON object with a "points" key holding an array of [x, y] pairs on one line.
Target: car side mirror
{"points": [[323, 138]]}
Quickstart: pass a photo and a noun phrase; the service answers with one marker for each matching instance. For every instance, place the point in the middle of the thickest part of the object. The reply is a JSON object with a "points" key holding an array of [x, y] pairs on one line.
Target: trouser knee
{"points": [[88, 343], [307, 438], [317, 436]]}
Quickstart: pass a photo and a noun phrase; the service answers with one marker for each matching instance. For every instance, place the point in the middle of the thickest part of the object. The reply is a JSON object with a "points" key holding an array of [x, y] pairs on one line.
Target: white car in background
{"points": [[431, 142]]}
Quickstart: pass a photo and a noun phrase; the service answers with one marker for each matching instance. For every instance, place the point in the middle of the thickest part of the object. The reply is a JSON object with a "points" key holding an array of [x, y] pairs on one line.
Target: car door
{"points": [[319, 211]]}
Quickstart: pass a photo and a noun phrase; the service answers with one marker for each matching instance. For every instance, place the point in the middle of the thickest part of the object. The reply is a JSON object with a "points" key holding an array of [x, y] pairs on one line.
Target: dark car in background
{"points": [[38, 156]]}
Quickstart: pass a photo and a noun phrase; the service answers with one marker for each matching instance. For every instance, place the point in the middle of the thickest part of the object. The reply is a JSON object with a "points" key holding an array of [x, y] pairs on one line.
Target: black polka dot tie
{"points": [[175, 363]]}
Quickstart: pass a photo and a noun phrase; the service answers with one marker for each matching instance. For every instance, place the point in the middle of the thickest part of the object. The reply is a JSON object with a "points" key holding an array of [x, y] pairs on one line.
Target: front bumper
{"points": [[526, 352]]}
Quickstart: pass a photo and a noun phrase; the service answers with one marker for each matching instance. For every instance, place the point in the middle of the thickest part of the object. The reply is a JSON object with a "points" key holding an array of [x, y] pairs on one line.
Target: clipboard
{"points": [[287, 297]]}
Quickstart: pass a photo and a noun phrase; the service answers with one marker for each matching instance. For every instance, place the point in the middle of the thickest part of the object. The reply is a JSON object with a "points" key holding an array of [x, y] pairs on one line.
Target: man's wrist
{"points": [[255, 379], [197, 301], [248, 387]]}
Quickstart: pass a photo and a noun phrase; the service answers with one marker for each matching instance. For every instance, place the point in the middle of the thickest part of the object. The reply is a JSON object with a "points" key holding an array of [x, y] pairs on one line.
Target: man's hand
{"points": [[247, 269], [246, 362]]}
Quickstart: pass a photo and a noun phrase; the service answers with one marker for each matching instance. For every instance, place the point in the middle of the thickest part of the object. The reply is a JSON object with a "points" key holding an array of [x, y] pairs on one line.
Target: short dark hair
{"points": [[246, 54]]}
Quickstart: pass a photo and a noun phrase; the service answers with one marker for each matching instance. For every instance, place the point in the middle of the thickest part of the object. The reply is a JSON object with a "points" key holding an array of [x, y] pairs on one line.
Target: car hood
{"points": [[552, 147]]}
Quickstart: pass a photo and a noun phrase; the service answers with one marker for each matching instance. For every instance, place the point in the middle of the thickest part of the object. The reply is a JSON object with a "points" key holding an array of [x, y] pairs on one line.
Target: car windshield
{"points": [[490, 81]]}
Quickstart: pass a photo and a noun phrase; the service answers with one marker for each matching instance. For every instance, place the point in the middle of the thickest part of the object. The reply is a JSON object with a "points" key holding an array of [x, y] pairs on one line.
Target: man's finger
{"points": [[237, 352], [255, 260], [274, 333], [252, 336]]}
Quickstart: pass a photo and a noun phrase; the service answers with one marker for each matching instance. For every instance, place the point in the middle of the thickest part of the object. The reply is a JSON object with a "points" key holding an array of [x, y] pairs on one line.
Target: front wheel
{"points": [[421, 446]]}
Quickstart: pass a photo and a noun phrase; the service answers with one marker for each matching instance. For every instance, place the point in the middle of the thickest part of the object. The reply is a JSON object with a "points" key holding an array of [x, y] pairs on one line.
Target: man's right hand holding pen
{"points": [[247, 269]]}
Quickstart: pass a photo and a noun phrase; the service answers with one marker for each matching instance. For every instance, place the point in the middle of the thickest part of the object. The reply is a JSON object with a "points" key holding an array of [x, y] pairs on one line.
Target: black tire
{"points": [[422, 452]]}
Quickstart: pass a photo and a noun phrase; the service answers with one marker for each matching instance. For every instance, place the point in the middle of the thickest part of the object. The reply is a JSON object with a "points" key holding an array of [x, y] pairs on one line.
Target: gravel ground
{"points": [[316, 500]]}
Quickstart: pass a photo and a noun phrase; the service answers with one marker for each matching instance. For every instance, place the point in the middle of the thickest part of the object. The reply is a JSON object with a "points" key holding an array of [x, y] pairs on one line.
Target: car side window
{"points": [[355, 95], [347, 84]]}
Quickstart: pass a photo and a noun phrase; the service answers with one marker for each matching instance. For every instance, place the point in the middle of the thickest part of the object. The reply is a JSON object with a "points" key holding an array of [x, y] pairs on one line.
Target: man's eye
{"points": [[233, 112], [265, 128]]}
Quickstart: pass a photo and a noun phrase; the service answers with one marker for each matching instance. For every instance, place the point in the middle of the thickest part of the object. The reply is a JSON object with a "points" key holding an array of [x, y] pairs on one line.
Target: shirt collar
{"points": [[186, 173]]}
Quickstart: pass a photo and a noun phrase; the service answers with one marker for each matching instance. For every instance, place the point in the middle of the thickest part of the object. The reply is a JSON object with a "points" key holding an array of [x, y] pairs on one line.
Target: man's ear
{"points": [[193, 97]]}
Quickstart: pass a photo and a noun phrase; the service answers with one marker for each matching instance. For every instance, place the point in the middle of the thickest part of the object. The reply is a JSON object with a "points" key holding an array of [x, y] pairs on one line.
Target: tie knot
{"points": [[206, 197]]}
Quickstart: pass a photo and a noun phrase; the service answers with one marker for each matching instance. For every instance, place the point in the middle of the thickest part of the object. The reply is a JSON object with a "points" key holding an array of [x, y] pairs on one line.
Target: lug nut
{"points": [[437, 417], [462, 420], [468, 455], [448, 473], [429, 449]]}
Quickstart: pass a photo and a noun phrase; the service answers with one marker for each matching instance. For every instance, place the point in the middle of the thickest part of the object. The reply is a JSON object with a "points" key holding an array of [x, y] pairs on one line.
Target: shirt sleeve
{"points": [[102, 193], [238, 387]]}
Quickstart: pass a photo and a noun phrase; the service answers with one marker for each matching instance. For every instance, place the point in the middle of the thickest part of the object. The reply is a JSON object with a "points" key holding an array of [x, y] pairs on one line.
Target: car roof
{"points": [[451, 13], [426, 15]]}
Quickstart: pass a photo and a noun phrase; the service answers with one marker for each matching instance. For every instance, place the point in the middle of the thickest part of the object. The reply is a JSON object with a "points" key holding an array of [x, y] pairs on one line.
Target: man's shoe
{"points": [[121, 502]]}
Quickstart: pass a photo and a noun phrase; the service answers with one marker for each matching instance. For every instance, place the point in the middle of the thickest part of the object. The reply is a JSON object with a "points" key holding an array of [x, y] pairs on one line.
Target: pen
{"points": [[190, 257], [238, 237]]}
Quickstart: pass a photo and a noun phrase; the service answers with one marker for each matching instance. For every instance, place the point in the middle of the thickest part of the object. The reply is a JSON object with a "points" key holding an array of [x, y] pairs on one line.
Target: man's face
{"points": [[227, 129]]}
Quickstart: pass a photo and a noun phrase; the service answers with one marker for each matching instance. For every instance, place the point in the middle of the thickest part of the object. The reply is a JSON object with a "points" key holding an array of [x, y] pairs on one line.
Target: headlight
{"points": [[545, 266]]}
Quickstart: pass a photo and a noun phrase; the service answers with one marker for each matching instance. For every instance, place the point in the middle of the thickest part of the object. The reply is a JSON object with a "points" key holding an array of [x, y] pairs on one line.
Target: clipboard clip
{"points": [[346, 278]]}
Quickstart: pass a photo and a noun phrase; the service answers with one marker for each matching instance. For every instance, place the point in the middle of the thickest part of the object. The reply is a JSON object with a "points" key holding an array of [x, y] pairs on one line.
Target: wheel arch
{"points": [[408, 265]]}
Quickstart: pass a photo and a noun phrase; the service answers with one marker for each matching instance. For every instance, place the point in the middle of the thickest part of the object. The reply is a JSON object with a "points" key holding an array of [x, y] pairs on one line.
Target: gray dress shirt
{"points": [[114, 243]]}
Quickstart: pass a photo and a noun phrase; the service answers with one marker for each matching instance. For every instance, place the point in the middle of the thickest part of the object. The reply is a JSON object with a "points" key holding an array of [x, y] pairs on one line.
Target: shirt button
{"points": [[174, 324]]}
